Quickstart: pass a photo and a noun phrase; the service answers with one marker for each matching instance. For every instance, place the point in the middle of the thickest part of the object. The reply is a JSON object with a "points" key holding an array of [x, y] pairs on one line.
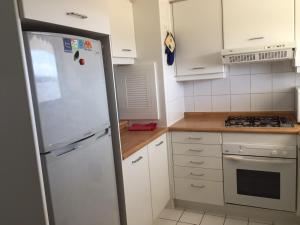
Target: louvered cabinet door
{"points": [[136, 91], [254, 23]]}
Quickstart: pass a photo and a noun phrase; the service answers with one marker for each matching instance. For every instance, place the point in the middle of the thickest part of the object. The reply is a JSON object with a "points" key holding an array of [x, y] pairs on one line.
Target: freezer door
{"points": [[69, 89], [82, 185]]}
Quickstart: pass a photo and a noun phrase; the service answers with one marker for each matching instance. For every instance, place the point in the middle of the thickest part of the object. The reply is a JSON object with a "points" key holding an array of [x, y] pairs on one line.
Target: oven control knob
{"points": [[284, 153], [241, 151], [274, 153]]}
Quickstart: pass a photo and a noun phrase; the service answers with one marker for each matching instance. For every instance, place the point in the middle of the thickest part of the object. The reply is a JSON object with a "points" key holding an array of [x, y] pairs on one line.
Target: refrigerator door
{"points": [[69, 87], [82, 184]]}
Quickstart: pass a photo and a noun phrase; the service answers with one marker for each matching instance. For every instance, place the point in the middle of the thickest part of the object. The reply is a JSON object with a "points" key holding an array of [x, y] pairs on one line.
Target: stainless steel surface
{"points": [[82, 184], [137, 160], [198, 68], [255, 38], [74, 129], [81, 16], [258, 160], [258, 121], [126, 50], [198, 186], [160, 143], [66, 92]]}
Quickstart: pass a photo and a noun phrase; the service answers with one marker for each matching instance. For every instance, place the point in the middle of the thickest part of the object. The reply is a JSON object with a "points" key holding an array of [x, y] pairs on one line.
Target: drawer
{"points": [[210, 192], [197, 137], [198, 173], [197, 149], [197, 161]]}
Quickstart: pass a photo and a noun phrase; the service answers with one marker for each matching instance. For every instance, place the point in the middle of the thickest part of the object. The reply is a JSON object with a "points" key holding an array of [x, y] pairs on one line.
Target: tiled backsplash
{"points": [[247, 87]]}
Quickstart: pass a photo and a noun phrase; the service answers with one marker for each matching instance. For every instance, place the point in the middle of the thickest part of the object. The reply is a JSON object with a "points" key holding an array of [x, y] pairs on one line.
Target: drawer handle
{"points": [[196, 150], [198, 68], [198, 186], [81, 16], [160, 143], [256, 38], [198, 163], [126, 50], [193, 138], [137, 160], [197, 175]]}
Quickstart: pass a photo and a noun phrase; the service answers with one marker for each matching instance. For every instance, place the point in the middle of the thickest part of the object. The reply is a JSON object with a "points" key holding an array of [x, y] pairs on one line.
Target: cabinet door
{"points": [[250, 23], [159, 175], [137, 188], [198, 35], [122, 28], [89, 15]]}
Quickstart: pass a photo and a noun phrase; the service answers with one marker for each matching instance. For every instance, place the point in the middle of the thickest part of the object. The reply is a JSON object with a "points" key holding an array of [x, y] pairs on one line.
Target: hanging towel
{"points": [[170, 48]]}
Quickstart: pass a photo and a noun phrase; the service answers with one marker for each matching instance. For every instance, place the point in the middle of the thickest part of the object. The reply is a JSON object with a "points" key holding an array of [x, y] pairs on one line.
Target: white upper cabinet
{"points": [[198, 35], [159, 175], [122, 29], [91, 15], [256, 23]]}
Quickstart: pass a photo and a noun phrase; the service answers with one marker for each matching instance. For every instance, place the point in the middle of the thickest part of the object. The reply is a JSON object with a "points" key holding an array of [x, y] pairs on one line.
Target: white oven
{"points": [[260, 176]]}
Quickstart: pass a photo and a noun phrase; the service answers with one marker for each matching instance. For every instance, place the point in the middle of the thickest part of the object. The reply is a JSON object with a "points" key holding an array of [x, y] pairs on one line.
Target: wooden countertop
{"points": [[132, 141], [214, 122]]}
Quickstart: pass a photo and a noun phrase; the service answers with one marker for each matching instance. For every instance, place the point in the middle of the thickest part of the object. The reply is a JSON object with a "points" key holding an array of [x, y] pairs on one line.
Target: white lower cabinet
{"points": [[146, 183], [198, 170], [202, 191], [159, 175], [137, 188]]}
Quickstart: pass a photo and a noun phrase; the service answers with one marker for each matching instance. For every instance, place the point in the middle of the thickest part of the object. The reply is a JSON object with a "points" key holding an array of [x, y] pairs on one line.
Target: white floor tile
{"points": [[191, 217], [233, 221], [212, 220], [171, 214], [179, 223], [165, 222]]}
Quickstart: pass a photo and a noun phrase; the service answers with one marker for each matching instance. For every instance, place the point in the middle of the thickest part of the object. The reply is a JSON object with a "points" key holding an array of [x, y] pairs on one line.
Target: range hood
{"points": [[259, 54]]}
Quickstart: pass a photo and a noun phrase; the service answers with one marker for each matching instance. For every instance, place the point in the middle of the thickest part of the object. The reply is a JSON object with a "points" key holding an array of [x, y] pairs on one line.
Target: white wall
{"points": [[21, 198], [247, 87], [151, 20], [174, 92]]}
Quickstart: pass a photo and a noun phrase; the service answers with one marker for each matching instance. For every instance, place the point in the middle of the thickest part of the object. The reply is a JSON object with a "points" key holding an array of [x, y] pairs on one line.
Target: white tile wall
{"points": [[247, 87]]}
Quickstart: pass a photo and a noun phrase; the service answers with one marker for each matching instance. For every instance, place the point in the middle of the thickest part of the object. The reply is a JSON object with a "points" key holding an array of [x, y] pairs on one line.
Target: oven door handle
{"points": [[270, 160], [265, 147]]}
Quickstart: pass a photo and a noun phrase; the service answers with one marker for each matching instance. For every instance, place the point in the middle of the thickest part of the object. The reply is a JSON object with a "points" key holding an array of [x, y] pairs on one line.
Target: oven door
{"points": [[260, 182]]}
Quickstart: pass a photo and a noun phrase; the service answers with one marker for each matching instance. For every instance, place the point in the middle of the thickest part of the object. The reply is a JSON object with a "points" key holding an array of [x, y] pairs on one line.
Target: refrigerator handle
{"points": [[83, 139], [78, 144], [106, 131]]}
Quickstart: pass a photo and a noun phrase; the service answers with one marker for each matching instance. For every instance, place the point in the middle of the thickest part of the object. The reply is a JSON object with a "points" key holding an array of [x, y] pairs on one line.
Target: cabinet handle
{"points": [[196, 150], [255, 38], [160, 143], [198, 68], [198, 186], [193, 138], [126, 50], [137, 160], [81, 16], [197, 175], [198, 163]]}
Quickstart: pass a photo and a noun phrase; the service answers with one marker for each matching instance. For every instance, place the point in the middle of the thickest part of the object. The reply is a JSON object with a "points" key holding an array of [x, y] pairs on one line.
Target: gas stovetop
{"points": [[258, 121]]}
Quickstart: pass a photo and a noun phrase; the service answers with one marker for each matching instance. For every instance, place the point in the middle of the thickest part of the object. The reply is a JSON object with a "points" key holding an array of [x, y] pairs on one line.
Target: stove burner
{"points": [[258, 121]]}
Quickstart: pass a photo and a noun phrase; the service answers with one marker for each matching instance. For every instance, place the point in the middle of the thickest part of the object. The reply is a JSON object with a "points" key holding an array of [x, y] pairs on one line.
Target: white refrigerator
{"points": [[70, 103]]}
